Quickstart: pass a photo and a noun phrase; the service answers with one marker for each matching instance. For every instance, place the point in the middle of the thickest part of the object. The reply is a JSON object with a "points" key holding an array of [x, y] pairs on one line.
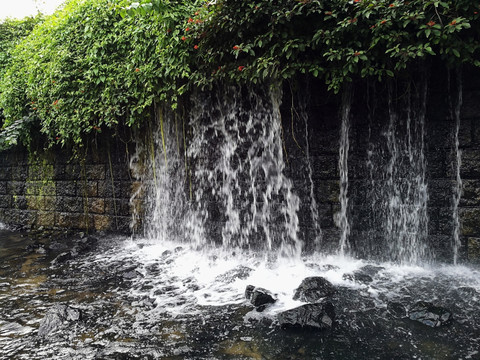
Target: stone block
{"points": [[73, 221], [19, 173], [87, 189], [324, 167], [20, 202], [69, 204], [43, 188], [5, 173], [440, 192], [35, 202], [108, 190], [473, 249], [49, 203], [102, 222], [46, 219], [15, 187], [470, 193], [95, 172], [470, 221], [3, 187], [470, 164], [96, 205], [66, 188], [5, 201]]}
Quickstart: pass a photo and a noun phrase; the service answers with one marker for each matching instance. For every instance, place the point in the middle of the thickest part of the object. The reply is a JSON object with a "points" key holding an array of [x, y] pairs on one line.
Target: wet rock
{"points": [[371, 270], [57, 318], [130, 275], [318, 316], [396, 309], [259, 297], [240, 272], [84, 245], [313, 289], [430, 315], [358, 276], [61, 258]]}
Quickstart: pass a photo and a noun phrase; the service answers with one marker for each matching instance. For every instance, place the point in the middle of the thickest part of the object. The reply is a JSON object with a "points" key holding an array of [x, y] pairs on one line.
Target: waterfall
{"points": [[457, 193], [343, 219], [406, 187], [160, 166], [224, 184]]}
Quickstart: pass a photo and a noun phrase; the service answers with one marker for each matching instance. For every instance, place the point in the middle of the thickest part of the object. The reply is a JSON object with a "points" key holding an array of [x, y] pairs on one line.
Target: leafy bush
{"points": [[100, 63]]}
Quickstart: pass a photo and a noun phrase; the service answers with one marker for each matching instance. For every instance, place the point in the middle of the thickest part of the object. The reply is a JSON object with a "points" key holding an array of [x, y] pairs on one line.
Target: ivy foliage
{"points": [[98, 64], [87, 68], [334, 39]]}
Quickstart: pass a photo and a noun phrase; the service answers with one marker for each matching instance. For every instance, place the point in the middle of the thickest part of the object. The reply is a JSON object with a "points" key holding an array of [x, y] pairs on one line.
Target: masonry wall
{"points": [[55, 189]]}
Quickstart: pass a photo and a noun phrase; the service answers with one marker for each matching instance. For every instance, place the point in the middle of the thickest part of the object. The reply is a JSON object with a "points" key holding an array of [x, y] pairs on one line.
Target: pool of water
{"points": [[140, 299]]}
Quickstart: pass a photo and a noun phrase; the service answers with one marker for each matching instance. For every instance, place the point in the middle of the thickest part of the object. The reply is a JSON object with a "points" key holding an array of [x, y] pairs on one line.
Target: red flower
{"points": [[137, 70], [187, 29], [241, 67], [236, 47], [55, 102], [391, 5], [356, 1], [57, 138], [190, 20], [454, 22], [352, 21], [196, 13], [184, 38], [383, 21], [195, 47], [431, 23], [169, 30], [356, 53], [372, 27]]}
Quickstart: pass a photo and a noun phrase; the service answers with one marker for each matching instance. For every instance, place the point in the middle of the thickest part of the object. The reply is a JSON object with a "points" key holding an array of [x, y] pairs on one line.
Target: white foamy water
{"points": [[182, 280]]}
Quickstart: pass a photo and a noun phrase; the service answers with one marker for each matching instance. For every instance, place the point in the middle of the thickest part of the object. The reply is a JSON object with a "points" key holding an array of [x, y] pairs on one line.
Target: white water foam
{"points": [[185, 279]]}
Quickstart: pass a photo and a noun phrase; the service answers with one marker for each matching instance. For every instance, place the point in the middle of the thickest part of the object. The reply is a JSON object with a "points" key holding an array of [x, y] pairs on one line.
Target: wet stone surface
{"points": [[125, 299]]}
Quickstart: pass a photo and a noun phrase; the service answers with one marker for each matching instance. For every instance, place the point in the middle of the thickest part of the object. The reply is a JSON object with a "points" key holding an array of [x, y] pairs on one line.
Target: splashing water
{"points": [[344, 220], [238, 195], [457, 194]]}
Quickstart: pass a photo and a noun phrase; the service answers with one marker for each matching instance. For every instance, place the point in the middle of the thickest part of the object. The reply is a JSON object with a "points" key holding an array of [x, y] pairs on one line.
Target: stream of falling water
{"points": [[457, 194], [343, 219], [239, 195]]}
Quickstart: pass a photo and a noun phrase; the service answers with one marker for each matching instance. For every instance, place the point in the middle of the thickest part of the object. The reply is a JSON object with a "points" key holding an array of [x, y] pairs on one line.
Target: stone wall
{"points": [[55, 190]]}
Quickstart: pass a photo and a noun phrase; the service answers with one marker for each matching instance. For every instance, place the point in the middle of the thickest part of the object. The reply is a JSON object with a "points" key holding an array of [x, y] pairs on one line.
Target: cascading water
{"points": [[343, 218], [398, 187], [240, 196], [457, 193]]}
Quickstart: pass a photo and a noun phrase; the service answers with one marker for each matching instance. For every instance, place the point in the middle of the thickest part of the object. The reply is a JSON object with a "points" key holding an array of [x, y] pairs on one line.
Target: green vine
{"points": [[103, 64]]}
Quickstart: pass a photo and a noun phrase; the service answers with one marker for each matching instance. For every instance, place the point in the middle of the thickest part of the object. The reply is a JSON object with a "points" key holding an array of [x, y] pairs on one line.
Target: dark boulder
{"points": [[358, 276], [318, 316], [57, 318], [314, 289], [430, 315], [396, 309], [259, 297]]}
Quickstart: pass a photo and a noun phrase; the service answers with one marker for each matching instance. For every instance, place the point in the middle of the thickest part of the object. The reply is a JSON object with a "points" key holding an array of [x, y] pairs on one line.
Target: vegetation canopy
{"points": [[98, 64]]}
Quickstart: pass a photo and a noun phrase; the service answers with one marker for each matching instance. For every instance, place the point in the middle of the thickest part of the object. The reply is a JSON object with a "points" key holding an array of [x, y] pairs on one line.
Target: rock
{"points": [[396, 309], [240, 272], [358, 276], [259, 297], [313, 289], [371, 270], [318, 316], [61, 258], [57, 318], [84, 245], [430, 315]]}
